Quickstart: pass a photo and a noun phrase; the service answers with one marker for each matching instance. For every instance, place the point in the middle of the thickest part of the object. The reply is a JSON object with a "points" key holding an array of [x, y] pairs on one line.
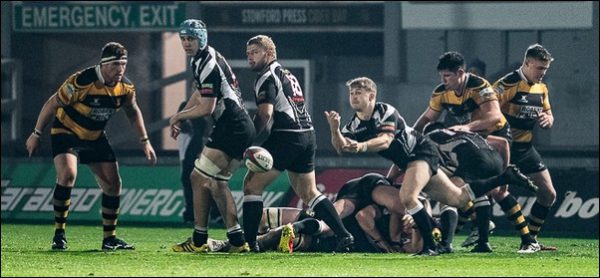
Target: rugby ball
{"points": [[258, 159]]}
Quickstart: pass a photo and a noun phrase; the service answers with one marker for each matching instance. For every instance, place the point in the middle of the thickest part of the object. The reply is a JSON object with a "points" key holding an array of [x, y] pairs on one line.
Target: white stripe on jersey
{"points": [[208, 68], [281, 102]]}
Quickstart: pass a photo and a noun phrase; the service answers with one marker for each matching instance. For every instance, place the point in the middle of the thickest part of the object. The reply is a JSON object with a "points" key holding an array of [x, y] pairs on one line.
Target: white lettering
{"points": [[77, 16], [88, 200], [26, 19], [172, 205], [126, 10], [63, 17], [52, 16], [159, 200], [9, 196], [569, 206], [88, 15], [589, 209], [39, 17], [37, 199], [144, 200], [128, 199], [144, 14]]}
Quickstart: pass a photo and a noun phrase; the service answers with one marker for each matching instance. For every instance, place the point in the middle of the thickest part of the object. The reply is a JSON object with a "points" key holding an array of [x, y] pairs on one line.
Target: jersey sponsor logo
{"points": [[95, 102], [101, 114]]}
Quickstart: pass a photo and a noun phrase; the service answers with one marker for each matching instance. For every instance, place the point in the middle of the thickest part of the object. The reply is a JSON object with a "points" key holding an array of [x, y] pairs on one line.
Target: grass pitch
{"points": [[26, 252]]}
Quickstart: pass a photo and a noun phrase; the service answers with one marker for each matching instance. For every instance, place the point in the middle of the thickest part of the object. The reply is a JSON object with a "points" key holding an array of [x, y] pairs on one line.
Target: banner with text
{"points": [[149, 195], [98, 17]]}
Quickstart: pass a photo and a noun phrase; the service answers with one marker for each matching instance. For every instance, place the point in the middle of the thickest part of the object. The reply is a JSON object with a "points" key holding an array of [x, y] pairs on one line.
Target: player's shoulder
{"points": [[510, 79], [85, 77], [439, 89], [477, 82]]}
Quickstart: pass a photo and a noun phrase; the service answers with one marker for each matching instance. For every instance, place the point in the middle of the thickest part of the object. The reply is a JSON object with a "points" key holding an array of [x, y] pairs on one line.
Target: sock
{"points": [[200, 236], [423, 222], [449, 218], [512, 210], [235, 235], [252, 208], [464, 214], [537, 216], [61, 201], [325, 211], [309, 226], [482, 209], [110, 212]]}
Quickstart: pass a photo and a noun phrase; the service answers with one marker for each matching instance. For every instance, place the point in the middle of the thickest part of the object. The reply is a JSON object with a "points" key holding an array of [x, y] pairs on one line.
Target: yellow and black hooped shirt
{"points": [[89, 103], [521, 103], [476, 91]]}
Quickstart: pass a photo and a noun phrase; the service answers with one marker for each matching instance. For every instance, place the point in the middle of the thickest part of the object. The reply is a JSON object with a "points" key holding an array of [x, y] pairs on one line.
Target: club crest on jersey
{"points": [[70, 89], [487, 92], [95, 102]]}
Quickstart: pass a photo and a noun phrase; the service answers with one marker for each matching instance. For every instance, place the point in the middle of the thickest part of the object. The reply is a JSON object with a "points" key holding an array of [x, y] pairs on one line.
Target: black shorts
{"points": [[526, 157], [98, 150], [232, 136], [360, 190], [293, 151], [481, 164], [427, 151], [504, 132]]}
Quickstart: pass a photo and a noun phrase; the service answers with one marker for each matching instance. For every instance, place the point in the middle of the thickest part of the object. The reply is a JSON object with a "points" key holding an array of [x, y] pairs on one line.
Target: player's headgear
{"points": [[195, 28], [113, 51]]}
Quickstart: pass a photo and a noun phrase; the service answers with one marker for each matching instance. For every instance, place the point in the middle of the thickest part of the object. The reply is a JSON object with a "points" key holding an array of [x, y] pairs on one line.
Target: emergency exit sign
{"points": [[99, 17]]}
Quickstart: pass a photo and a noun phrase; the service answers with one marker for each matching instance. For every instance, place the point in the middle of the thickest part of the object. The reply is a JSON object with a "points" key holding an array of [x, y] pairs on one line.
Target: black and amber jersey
{"points": [[279, 87], [88, 103], [215, 79], [521, 102], [476, 92], [386, 119]]}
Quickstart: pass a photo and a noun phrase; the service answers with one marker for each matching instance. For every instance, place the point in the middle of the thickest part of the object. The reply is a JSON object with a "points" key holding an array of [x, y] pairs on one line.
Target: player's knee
{"points": [[546, 195], [67, 178], [204, 167], [363, 215]]}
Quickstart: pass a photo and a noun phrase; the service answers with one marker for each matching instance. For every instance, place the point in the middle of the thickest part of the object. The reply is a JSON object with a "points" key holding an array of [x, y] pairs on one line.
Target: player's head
{"points": [[362, 92], [260, 51], [193, 35], [451, 67], [536, 62], [432, 126], [113, 62]]}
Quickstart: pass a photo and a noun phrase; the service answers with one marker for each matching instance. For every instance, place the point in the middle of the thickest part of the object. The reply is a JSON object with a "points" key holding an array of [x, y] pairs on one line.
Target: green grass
{"points": [[26, 252]]}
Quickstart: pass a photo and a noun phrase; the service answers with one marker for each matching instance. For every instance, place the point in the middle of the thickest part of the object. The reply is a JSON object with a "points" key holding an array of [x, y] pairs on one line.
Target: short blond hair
{"points": [[362, 83], [264, 42]]}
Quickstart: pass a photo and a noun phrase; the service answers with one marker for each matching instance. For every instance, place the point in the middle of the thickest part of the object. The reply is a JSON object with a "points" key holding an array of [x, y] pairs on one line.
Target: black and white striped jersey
{"points": [[385, 119], [214, 78], [279, 87]]}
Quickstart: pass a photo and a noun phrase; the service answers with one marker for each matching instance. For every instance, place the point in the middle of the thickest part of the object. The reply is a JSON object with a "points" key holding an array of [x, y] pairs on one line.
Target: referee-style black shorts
{"points": [[293, 151], [232, 136], [98, 150], [360, 190], [481, 164], [526, 157]]}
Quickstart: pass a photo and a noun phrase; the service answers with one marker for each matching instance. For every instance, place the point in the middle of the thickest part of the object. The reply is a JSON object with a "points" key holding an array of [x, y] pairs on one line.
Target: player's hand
{"points": [[461, 128], [545, 120], [149, 152], [175, 124], [407, 222], [333, 119], [352, 146], [32, 143]]}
